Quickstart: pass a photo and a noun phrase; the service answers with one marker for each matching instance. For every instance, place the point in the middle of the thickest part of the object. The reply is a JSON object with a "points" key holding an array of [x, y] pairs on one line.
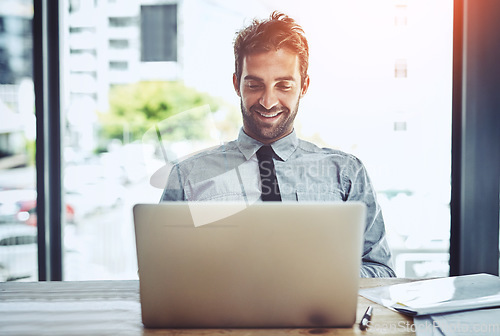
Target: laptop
{"points": [[267, 265]]}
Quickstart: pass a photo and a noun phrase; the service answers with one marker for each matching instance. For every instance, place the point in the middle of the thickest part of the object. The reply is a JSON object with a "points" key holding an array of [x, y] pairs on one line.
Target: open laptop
{"points": [[220, 265]]}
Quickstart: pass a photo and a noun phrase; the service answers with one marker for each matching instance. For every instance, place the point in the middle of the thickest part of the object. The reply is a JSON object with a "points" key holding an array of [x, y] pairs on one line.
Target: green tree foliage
{"points": [[136, 108]]}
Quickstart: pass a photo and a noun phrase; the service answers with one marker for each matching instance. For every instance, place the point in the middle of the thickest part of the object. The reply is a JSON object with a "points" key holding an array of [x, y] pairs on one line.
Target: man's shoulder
{"points": [[309, 147]]}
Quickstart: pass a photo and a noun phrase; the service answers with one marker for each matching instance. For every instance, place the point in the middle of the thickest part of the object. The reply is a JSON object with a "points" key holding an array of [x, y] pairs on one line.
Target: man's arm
{"points": [[376, 257], [174, 190]]}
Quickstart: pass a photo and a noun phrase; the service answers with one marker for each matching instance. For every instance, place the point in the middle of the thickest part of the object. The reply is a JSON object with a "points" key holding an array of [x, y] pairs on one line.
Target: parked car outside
{"points": [[19, 206], [10, 203], [18, 252]]}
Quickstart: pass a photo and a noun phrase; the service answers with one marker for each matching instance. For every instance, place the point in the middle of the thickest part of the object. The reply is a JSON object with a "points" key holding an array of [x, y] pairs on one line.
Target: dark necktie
{"points": [[270, 187]]}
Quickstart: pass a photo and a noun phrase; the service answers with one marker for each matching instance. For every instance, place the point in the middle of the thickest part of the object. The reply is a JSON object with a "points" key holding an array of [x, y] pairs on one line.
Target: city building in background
{"points": [[18, 235], [113, 43], [16, 71]]}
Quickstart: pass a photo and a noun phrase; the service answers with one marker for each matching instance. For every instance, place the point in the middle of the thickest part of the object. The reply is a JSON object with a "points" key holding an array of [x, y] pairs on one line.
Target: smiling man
{"points": [[268, 162]]}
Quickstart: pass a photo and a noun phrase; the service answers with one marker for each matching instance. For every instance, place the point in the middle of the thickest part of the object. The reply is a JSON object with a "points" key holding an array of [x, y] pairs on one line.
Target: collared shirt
{"points": [[304, 171]]}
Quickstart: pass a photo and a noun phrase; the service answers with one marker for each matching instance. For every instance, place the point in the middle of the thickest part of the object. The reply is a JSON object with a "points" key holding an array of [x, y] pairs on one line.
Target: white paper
{"points": [[425, 326], [438, 295], [475, 322]]}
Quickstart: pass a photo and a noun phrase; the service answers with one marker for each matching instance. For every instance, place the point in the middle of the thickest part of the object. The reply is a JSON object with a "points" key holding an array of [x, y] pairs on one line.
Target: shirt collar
{"points": [[283, 148]]}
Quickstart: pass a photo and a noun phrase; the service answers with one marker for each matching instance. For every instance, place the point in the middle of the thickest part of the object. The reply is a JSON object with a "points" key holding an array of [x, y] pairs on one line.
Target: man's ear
{"points": [[236, 86], [305, 86]]}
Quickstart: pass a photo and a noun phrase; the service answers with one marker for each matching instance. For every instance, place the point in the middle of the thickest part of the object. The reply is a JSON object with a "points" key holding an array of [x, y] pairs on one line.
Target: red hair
{"points": [[277, 32]]}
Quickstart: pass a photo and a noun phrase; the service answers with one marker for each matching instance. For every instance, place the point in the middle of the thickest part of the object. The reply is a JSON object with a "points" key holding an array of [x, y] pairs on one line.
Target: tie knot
{"points": [[265, 151]]}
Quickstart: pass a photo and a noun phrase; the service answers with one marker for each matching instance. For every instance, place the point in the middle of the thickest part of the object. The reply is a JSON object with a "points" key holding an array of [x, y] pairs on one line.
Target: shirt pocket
{"points": [[223, 188], [323, 196]]}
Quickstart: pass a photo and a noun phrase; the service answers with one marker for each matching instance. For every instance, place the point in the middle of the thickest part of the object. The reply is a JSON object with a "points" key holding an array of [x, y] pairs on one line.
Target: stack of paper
{"points": [[446, 306], [472, 322]]}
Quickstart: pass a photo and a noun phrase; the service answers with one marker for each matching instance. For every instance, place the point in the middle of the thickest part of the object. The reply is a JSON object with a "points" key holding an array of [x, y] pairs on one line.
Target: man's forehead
{"points": [[281, 64]]}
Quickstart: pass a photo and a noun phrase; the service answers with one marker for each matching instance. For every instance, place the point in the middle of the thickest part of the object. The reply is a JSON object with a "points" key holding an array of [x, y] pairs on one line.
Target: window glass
{"points": [[118, 44], [380, 89], [158, 33], [18, 220]]}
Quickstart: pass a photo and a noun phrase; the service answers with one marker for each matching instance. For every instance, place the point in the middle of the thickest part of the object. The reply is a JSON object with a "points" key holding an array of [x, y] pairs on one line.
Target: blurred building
{"points": [[113, 42], [110, 43], [16, 71], [16, 43]]}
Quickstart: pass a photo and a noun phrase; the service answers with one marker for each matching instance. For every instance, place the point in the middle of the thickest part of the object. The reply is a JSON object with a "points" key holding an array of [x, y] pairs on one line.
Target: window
{"points": [[118, 65], [400, 125], [18, 233], [103, 179], [159, 33], [74, 6], [400, 69], [81, 29], [401, 16], [122, 21], [15, 47], [119, 44]]}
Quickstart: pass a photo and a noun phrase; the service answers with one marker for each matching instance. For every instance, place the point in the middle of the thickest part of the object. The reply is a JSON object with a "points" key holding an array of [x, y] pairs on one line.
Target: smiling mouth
{"points": [[269, 115]]}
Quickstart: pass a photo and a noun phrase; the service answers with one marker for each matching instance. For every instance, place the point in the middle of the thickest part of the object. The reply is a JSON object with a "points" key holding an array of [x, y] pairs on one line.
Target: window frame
{"points": [[46, 78], [475, 199]]}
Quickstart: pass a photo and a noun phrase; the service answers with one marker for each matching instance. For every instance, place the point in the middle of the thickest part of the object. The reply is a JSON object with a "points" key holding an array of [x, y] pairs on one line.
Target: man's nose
{"points": [[268, 99]]}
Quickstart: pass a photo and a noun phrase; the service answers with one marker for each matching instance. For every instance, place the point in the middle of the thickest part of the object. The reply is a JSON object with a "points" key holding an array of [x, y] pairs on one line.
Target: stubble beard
{"points": [[268, 133]]}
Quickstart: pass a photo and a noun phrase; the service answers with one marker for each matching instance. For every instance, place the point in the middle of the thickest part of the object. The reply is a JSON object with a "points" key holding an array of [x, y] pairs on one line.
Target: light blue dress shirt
{"points": [[304, 171]]}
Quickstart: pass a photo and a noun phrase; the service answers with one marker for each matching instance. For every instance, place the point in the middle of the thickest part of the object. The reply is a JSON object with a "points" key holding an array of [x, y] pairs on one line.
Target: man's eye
{"points": [[254, 86], [284, 87]]}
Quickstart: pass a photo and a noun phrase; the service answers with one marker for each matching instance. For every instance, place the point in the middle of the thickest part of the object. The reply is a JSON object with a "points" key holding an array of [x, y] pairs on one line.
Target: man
{"points": [[271, 61]]}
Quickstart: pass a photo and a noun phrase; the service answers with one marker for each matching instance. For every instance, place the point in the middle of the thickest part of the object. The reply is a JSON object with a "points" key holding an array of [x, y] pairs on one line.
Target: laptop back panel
{"points": [[266, 265]]}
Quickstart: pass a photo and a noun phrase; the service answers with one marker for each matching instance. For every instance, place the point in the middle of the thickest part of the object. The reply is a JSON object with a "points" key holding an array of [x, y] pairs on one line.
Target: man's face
{"points": [[270, 90]]}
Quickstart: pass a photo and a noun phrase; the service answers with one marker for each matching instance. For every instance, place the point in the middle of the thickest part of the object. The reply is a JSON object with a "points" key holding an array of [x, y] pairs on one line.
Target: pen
{"points": [[366, 318]]}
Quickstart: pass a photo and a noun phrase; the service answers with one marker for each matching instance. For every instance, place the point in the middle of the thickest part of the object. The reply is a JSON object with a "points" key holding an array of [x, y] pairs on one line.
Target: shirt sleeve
{"points": [[174, 189], [376, 256]]}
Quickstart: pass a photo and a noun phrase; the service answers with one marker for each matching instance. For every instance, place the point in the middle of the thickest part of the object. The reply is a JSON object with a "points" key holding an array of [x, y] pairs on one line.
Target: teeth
{"points": [[269, 115]]}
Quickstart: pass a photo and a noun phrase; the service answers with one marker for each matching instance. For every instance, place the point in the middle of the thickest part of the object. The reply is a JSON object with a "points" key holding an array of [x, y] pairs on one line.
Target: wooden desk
{"points": [[113, 308]]}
